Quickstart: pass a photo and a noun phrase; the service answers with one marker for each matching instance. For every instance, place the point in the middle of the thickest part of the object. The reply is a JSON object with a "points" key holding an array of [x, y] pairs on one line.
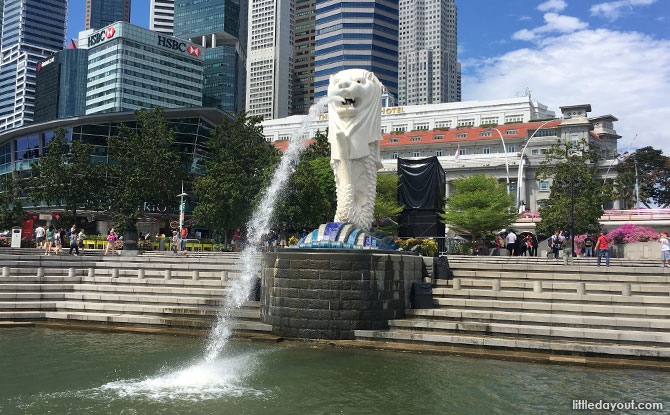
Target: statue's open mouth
{"points": [[347, 102]]}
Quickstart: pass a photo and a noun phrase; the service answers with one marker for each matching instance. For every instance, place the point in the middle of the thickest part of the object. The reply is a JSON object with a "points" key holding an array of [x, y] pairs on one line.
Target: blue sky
{"points": [[612, 54]]}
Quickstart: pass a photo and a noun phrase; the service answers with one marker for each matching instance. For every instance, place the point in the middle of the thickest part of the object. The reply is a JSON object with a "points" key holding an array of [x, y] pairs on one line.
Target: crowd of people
{"points": [[515, 245], [52, 240]]}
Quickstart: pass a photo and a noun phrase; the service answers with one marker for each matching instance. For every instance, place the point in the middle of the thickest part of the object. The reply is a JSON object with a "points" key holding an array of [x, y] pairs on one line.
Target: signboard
{"points": [[46, 62], [101, 36], [45, 216], [176, 44]]}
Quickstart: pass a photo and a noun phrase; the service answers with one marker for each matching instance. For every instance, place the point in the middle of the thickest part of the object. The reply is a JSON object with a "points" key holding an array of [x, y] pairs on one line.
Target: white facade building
{"points": [[161, 16], [429, 117], [269, 58], [428, 70]]}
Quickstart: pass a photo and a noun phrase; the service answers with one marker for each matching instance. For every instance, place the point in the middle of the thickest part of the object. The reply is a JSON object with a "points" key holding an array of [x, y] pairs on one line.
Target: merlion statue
{"points": [[354, 133]]}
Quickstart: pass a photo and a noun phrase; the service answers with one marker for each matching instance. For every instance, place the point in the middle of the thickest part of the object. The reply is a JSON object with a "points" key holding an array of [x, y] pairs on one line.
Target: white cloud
{"points": [[553, 6], [553, 22], [612, 10], [626, 74]]}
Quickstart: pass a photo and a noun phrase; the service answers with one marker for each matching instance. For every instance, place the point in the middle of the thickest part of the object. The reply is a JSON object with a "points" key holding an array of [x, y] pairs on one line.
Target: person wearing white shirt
{"points": [[665, 249], [511, 243]]}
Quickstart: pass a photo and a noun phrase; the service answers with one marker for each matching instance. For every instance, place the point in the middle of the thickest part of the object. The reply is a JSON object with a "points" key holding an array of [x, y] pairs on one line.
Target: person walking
{"points": [[58, 238], [555, 244], [80, 240], [39, 236], [588, 246], [73, 241], [237, 238], [665, 249], [511, 243], [111, 241], [182, 239], [51, 238], [567, 249], [603, 248], [533, 243]]}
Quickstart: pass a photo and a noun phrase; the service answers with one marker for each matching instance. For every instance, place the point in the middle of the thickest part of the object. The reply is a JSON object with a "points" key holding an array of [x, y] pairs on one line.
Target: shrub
{"points": [[145, 246], [428, 246], [292, 240], [28, 243], [5, 242], [627, 234], [530, 214]]}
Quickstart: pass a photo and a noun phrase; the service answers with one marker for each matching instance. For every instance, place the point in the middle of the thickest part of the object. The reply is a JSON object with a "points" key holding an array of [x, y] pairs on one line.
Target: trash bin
{"points": [[161, 244], [421, 295], [16, 237], [441, 269]]}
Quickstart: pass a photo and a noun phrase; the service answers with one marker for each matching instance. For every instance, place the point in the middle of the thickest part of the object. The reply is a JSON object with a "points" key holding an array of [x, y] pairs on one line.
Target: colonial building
{"points": [[498, 139]]}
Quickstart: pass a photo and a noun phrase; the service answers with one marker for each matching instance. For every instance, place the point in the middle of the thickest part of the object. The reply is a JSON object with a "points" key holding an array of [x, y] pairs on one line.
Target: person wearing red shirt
{"points": [[602, 248]]}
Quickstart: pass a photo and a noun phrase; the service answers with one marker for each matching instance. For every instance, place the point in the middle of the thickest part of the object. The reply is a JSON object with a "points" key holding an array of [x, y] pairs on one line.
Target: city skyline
{"points": [[500, 43]]}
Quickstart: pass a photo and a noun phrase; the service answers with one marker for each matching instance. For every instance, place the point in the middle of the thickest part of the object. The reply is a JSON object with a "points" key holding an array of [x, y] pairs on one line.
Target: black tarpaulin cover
{"points": [[422, 183]]}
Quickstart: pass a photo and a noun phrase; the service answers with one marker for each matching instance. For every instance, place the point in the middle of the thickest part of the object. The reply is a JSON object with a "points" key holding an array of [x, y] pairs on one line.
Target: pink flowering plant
{"points": [[627, 234], [530, 214]]}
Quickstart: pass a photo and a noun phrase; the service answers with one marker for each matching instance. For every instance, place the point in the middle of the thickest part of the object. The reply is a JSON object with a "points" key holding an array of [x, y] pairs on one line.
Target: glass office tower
{"points": [[130, 67], [60, 88], [32, 30], [219, 26], [356, 35], [101, 13]]}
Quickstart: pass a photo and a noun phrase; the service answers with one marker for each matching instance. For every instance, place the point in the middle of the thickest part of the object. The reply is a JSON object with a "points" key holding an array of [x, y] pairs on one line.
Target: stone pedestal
{"points": [[327, 294]]}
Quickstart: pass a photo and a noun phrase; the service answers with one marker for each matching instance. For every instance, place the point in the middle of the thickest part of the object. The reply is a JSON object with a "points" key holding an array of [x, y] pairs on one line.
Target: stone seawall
{"points": [[322, 294]]}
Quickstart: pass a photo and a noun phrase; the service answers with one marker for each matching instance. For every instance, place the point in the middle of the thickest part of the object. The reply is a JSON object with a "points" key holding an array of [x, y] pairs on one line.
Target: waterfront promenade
{"points": [[526, 308]]}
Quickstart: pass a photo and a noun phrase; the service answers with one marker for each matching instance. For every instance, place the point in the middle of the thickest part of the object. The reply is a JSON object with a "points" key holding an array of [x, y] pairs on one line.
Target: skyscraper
{"points": [[101, 13], [303, 55], [356, 35], [161, 16], [219, 26], [60, 86], [428, 70], [32, 30], [270, 58]]}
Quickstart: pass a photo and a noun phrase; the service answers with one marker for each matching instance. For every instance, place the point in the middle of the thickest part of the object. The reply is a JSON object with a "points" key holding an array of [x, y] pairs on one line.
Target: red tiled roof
{"points": [[450, 135]]}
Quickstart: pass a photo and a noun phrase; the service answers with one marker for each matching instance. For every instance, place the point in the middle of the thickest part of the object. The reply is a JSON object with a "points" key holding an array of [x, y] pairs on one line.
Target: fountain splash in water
{"points": [[258, 225]]}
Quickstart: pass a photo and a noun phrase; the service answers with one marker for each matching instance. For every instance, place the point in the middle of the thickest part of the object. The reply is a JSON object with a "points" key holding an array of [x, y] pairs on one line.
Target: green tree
{"points": [[146, 166], [310, 198], [67, 176], [11, 208], [564, 164], [386, 203], [653, 174], [239, 166], [479, 206]]}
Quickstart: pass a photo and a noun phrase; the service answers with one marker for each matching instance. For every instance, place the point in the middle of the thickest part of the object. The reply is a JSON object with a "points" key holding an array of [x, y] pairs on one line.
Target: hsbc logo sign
{"points": [[101, 36], [174, 44], [194, 50]]}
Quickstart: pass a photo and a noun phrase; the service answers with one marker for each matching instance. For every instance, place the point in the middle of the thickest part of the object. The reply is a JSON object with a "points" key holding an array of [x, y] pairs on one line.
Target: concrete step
{"points": [[535, 331], [190, 322], [549, 319], [631, 277], [553, 286], [494, 342], [530, 306], [551, 297]]}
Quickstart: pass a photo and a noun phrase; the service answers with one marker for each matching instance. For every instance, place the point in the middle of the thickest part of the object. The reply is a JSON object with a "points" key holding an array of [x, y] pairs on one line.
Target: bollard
{"points": [[168, 274], [5, 272], [581, 288], [40, 272], [626, 290], [457, 284], [115, 273], [70, 272], [91, 273], [140, 273], [537, 286], [496, 285], [196, 275]]}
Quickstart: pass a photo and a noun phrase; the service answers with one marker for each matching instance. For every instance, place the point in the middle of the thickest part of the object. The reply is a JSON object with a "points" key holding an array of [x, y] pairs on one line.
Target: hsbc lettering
{"points": [[171, 43], [101, 36]]}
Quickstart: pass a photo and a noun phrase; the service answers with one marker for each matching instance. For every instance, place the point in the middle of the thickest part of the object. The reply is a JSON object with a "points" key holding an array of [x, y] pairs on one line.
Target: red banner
{"points": [[27, 229]]}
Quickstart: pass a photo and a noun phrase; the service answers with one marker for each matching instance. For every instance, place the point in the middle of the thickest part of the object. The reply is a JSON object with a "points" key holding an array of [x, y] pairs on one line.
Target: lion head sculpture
{"points": [[354, 116]]}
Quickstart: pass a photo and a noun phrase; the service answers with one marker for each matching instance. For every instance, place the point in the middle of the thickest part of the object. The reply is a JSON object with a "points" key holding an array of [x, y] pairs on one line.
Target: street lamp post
{"points": [[520, 173], [505, 152]]}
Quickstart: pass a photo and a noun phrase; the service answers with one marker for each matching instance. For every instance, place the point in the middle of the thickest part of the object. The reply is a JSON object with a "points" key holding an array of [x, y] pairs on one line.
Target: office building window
{"points": [[544, 186]]}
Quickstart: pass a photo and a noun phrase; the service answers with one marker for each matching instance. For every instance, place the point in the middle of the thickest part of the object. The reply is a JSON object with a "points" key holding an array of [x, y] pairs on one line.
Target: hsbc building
{"points": [[130, 67]]}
